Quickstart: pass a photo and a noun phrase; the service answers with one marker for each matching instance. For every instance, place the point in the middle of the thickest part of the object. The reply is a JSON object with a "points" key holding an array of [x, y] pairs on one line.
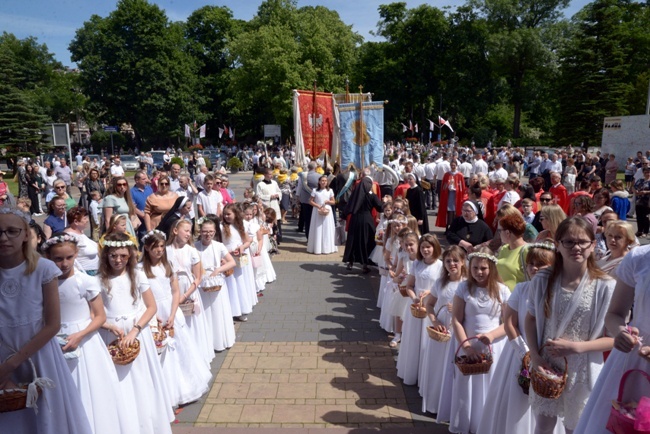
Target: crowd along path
{"points": [[311, 356]]}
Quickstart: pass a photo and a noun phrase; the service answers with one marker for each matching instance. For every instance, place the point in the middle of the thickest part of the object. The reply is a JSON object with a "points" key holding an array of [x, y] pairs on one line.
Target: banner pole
{"points": [[313, 124], [363, 163]]}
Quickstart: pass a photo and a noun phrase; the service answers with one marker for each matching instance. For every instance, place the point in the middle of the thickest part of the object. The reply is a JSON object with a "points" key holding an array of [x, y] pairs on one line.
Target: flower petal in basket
{"points": [[123, 356], [212, 283]]}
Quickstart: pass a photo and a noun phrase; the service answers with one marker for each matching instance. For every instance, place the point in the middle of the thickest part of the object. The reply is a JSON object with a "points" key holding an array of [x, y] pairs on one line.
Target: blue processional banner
{"points": [[362, 134]]}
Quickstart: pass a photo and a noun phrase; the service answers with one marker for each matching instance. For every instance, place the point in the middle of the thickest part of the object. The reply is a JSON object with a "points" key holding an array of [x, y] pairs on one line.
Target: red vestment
{"points": [[459, 183], [560, 195]]}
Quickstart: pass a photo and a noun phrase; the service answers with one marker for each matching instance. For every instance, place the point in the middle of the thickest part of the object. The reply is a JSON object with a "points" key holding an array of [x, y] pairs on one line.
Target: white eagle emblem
{"points": [[319, 121]]}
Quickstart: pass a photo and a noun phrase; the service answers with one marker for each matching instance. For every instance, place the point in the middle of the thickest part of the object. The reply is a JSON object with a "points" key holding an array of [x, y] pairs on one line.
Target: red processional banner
{"points": [[317, 121]]}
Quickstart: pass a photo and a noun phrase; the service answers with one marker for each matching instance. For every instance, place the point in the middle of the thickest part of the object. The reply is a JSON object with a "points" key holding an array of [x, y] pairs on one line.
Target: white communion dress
{"points": [[321, 229]]}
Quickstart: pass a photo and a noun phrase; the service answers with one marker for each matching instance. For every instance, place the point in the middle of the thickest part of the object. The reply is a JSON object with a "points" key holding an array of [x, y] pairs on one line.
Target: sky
{"points": [[54, 22]]}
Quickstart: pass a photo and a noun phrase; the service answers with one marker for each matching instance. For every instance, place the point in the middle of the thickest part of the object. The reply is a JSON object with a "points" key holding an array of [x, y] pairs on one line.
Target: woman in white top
{"points": [[511, 196], [88, 250], [321, 230]]}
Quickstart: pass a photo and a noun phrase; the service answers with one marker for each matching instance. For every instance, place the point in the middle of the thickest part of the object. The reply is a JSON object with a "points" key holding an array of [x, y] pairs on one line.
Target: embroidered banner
{"points": [[316, 121], [362, 133]]}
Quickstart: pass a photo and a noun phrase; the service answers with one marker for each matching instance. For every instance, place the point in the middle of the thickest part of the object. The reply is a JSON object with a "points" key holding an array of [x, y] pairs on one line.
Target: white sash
{"points": [[575, 301]]}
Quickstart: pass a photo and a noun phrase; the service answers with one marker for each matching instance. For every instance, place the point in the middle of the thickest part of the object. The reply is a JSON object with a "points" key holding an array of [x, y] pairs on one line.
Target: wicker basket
{"points": [[466, 368], [188, 307], [402, 291], [159, 336], [547, 387], [620, 420], [435, 334], [16, 399], [124, 356], [229, 272], [523, 380], [323, 211], [418, 311]]}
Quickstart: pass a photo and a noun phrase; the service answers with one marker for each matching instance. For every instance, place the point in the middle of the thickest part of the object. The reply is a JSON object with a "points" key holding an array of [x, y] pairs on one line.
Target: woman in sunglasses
{"points": [[118, 201], [159, 203], [550, 216], [59, 190]]}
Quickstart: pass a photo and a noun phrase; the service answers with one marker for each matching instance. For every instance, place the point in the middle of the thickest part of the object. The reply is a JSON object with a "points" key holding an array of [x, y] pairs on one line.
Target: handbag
{"points": [[256, 261], [135, 222], [570, 179], [620, 420], [339, 235]]}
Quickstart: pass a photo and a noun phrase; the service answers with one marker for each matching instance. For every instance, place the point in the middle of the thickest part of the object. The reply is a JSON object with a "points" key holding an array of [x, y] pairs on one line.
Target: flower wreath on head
{"points": [[202, 220], [547, 246], [16, 212], [127, 243], [482, 256], [58, 239], [152, 233]]}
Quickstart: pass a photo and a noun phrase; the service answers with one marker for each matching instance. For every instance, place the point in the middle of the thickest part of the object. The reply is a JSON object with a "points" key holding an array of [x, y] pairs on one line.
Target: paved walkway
{"points": [[311, 356]]}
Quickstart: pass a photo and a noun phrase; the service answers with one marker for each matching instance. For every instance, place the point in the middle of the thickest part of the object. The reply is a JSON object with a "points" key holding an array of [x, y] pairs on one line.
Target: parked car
{"points": [[129, 163], [158, 160]]}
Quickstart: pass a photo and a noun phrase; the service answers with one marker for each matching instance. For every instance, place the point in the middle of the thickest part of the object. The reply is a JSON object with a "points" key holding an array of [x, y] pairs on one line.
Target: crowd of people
{"points": [[548, 270], [159, 269]]}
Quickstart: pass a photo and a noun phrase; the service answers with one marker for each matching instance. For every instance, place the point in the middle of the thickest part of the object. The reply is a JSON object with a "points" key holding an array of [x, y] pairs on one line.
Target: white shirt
{"points": [[480, 167], [555, 167], [442, 168], [499, 173], [116, 170], [419, 170], [511, 197], [211, 202], [429, 170], [466, 169]]}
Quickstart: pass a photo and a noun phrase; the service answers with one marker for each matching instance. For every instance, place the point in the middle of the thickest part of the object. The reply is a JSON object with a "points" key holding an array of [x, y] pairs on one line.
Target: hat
{"points": [[2, 173]]}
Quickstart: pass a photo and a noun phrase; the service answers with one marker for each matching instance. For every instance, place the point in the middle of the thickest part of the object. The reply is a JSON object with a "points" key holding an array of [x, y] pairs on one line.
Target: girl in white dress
{"points": [[566, 312], [256, 234], [186, 373], [186, 263], [426, 269], [631, 343], [216, 259], [29, 322], [130, 306], [267, 229], [439, 304], [387, 319], [508, 409], [377, 255], [82, 314], [476, 312], [321, 231], [236, 240]]}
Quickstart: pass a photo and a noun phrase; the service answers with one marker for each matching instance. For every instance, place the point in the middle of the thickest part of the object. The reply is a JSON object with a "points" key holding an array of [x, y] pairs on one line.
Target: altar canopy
{"points": [[362, 133]]}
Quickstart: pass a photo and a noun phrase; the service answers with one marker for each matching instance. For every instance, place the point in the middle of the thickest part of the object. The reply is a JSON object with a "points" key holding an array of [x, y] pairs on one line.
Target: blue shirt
{"points": [[140, 197], [56, 223]]}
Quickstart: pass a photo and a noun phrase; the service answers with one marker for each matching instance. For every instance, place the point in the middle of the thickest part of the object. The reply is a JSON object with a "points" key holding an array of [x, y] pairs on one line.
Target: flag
{"points": [[317, 121], [362, 134], [202, 131], [443, 123], [221, 132], [225, 130], [410, 126], [187, 131], [232, 133], [404, 128], [416, 128], [432, 126], [195, 123]]}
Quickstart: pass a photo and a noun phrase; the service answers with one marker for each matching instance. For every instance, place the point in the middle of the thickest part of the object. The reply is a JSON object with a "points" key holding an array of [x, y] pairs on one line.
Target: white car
{"points": [[129, 163]]}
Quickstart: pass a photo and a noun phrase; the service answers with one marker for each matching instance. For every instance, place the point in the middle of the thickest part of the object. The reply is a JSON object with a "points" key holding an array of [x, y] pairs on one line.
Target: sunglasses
{"points": [[59, 187], [163, 183], [122, 184], [545, 200]]}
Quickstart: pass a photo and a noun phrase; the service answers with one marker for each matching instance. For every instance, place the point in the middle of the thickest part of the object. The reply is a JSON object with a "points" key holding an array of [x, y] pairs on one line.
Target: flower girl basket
{"points": [[627, 417], [473, 368]]}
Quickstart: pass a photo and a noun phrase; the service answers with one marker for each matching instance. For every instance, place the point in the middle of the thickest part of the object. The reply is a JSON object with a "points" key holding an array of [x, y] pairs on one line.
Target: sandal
{"points": [[396, 340]]}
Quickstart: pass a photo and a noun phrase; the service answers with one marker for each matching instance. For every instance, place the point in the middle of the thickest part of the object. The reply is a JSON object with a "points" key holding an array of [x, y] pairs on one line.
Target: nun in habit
{"points": [[415, 196], [180, 210]]}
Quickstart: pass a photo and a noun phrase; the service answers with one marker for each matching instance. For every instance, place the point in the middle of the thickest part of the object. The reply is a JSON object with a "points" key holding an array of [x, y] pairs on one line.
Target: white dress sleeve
{"points": [[49, 270], [195, 258], [91, 285], [142, 282]]}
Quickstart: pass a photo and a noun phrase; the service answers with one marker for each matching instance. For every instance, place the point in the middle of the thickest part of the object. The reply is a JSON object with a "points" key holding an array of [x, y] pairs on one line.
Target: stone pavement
{"points": [[311, 356]]}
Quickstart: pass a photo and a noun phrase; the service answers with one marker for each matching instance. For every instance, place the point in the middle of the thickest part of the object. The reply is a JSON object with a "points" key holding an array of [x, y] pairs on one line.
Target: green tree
{"points": [[208, 31], [21, 123], [285, 48], [519, 46], [601, 68], [134, 69]]}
